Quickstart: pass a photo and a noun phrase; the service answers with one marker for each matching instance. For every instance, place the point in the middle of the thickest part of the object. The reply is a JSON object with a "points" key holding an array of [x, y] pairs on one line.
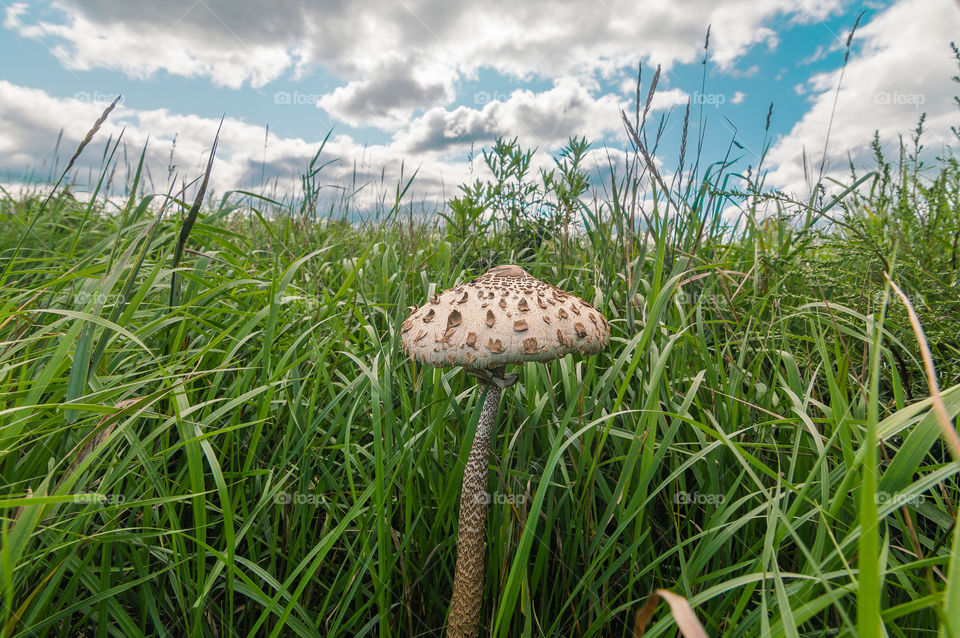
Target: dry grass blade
{"points": [[644, 614], [939, 409], [683, 615]]}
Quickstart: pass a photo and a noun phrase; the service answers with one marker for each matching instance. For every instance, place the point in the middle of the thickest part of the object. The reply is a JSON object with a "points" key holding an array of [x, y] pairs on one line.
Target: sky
{"points": [[424, 85]]}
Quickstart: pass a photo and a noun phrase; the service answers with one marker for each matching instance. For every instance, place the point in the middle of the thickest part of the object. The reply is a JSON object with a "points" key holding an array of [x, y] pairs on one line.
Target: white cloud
{"points": [[237, 42], [31, 120], [903, 68], [816, 56], [545, 120], [14, 12], [400, 65], [746, 73], [141, 48], [389, 95]]}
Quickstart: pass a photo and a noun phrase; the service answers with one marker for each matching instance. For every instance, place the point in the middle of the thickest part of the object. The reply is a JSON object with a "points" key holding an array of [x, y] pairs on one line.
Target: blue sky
{"points": [[419, 82]]}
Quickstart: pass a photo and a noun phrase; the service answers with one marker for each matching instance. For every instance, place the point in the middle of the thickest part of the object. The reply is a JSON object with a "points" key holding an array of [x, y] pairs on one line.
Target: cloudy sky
{"points": [[419, 83]]}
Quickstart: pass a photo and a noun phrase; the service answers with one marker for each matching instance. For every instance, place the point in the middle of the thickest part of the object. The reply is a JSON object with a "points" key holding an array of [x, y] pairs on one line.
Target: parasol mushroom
{"points": [[504, 316]]}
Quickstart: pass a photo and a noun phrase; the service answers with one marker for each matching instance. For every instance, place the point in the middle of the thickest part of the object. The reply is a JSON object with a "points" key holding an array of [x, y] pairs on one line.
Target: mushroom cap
{"points": [[504, 316]]}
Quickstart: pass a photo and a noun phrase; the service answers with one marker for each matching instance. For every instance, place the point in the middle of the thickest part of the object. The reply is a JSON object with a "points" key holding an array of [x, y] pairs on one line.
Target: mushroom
{"points": [[483, 337]]}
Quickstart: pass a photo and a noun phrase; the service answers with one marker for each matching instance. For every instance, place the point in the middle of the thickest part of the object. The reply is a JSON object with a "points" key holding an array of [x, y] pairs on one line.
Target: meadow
{"points": [[208, 427]]}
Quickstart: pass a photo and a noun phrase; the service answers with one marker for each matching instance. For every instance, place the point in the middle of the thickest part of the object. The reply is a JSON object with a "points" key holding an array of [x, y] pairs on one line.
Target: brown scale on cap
{"points": [[494, 318], [530, 345], [454, 319]]}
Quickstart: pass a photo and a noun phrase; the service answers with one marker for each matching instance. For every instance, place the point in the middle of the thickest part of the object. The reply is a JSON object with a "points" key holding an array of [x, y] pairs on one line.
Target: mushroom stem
{"points": [[464, 618]]}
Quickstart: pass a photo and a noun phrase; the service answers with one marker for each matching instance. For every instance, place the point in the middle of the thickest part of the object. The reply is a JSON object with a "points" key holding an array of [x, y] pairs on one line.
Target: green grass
{"points": [[758, 438]]}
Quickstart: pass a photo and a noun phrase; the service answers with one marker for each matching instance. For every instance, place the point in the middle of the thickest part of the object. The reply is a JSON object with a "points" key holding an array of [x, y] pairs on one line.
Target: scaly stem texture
{"points": [[464, 617]]}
